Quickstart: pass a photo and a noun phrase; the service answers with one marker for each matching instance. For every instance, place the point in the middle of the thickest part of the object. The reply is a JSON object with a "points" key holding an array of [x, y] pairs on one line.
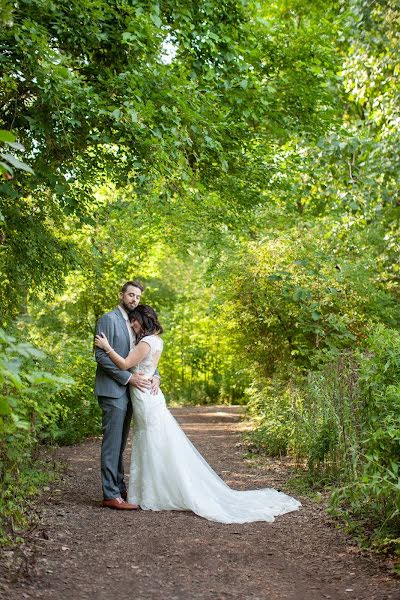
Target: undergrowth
{"points": [[342, 421]]}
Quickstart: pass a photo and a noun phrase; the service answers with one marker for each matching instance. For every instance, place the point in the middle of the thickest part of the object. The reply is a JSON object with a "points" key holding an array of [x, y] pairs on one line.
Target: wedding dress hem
{"points": [[168, 472]]}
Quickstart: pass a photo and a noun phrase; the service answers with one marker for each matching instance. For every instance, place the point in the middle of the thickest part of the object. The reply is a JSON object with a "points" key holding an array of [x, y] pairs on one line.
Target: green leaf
{"points": [[116, 114], [26, 349], [156, 20], [16, 146], [133, 115], [4, 406], [297, 294], [63, 71], [6, 136], [40, 377], [127, 36], [16, 162], [5, 168], [20, 423]]}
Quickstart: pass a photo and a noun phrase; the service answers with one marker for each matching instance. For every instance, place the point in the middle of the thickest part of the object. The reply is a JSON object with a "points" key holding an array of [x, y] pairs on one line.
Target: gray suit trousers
{"points": [[117, 415]]}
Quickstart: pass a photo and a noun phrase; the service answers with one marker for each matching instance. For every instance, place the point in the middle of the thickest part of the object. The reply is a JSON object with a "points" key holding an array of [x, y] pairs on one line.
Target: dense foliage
{"points": [[241, 159]]}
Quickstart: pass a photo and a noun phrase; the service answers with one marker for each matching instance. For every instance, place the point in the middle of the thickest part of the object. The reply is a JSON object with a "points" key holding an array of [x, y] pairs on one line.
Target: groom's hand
{"points": [[140, 381], [155, 385]]}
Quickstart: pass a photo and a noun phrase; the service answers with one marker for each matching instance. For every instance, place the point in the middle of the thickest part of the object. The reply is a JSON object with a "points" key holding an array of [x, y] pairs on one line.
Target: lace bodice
{"points": [[149, 364]]}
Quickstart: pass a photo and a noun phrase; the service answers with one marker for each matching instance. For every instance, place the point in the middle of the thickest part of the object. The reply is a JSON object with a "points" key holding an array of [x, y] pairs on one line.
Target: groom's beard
{"points": [[129, 307]]}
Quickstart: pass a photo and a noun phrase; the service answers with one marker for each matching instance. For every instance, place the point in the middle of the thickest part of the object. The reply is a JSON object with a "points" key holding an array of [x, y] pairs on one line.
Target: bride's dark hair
{"points": [[147, 318]]}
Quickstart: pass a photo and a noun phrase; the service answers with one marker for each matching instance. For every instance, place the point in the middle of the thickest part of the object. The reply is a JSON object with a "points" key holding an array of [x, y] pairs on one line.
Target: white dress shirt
{"points": [[132, 336]]}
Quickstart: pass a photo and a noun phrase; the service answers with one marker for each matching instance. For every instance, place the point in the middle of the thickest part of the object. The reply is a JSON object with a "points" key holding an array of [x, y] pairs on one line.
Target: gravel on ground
{"points": [[81, 551]]}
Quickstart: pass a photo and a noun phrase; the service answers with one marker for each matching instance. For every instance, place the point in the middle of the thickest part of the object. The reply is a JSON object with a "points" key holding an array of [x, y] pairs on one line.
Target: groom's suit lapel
{"points": [[123, 325]]}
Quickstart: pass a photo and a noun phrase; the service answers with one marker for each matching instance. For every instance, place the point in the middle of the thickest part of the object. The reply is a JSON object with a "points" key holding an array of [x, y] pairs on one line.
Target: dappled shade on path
{"points": [[82, 551]]}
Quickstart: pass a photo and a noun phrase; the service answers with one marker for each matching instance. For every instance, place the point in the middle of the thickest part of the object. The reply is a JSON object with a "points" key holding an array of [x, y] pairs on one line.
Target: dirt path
{"points": [[82, 551]]}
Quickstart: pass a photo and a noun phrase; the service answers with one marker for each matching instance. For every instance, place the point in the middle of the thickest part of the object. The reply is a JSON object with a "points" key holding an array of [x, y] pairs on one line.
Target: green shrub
{"points": [[274, 408], [81, 415], [343, 421], [27, 411], [373, 495]]}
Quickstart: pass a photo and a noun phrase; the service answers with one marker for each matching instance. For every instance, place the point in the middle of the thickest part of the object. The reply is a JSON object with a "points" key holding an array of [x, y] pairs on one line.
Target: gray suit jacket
{"points": [[111, 381]]}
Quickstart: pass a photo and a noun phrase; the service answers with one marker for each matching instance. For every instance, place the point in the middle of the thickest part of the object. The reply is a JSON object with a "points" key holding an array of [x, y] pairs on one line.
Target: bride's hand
{"points": [[101, 341]]}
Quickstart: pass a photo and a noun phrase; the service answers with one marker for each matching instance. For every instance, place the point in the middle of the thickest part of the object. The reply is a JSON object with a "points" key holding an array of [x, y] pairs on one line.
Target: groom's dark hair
{"points": [[134, 283]]}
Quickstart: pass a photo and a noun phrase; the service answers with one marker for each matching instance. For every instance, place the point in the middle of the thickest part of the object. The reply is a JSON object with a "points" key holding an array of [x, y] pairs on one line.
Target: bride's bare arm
{"points": [[134, 357]]}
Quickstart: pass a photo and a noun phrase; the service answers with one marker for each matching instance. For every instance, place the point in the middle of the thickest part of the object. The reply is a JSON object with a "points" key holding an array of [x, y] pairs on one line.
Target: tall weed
{"points": [[343, 420]]}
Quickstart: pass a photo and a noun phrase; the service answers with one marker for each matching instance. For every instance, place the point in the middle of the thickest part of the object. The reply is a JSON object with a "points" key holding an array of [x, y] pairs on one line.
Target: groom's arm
{"points": [[105, 325]]}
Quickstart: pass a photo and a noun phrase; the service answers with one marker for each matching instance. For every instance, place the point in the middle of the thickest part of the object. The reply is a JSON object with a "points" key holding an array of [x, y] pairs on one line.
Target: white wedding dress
{"points": [[168, 473]]}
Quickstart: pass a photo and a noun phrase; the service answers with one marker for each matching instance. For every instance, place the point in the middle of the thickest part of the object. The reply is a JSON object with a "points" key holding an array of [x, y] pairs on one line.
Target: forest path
{"points": [[81, 551]]}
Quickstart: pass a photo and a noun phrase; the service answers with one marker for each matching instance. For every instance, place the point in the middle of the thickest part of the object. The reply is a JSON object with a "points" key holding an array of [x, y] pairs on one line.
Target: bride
{"points": [[167, 472]]}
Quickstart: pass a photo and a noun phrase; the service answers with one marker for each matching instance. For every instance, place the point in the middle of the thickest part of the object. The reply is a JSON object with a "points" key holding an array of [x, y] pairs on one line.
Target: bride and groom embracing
{"points": [[166, 471]]}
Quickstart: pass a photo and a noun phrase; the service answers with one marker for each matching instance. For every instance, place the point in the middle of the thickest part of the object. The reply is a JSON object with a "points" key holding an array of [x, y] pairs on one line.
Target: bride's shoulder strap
{"points": [[154, 341], [151, 340]]}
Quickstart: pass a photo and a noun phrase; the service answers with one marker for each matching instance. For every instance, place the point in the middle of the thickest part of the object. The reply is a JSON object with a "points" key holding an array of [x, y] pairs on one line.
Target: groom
{"points": [[112, 391]]}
